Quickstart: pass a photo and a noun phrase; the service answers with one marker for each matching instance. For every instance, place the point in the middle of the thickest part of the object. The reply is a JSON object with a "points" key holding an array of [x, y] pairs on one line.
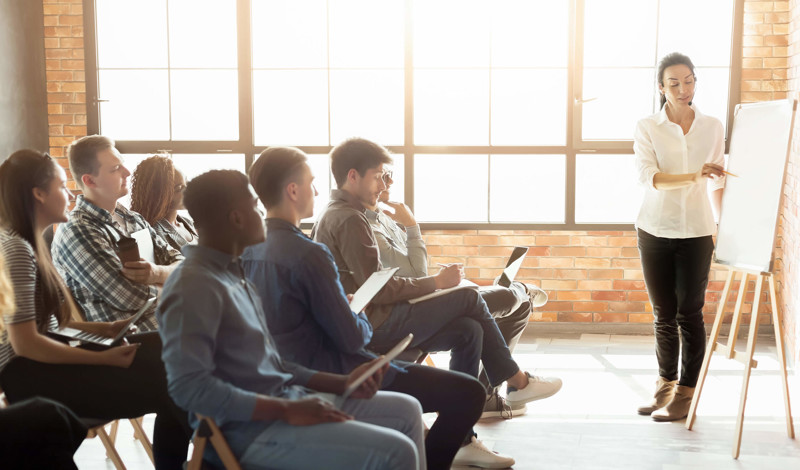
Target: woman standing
{"points": [[157, 194], [126, 381], [678, 150]]}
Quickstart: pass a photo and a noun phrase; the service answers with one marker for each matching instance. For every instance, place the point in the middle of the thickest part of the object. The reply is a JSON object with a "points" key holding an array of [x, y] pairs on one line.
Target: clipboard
{"points": [[370, 288], [393, 353], [145, 244]]}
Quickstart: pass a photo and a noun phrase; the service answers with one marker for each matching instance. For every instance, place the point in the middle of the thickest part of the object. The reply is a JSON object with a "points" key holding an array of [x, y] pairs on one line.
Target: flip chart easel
{"points": [[745, 357], [759, 149]]}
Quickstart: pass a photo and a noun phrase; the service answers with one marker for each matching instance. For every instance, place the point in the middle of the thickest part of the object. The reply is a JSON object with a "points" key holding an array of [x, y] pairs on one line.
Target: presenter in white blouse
{"points": [[679, 158]]}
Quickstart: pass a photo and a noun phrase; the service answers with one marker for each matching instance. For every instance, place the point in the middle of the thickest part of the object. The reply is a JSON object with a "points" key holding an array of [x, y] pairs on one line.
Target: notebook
{"points": [[370, 288], [512, 266], [75, 334]]}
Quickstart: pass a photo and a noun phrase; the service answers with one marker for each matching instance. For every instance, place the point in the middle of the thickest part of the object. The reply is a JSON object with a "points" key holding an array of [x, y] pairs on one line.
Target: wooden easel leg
{"points": [[736, 321], [712, 343], [776, 320], [751, 344]]}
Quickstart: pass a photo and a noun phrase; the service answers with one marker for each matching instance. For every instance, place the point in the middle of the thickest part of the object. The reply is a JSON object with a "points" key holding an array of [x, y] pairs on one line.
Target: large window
{"points": [[501, 113]]}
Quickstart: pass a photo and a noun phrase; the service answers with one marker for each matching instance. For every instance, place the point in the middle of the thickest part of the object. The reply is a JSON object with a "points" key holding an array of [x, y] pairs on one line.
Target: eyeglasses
{"points": [[179, 188]]}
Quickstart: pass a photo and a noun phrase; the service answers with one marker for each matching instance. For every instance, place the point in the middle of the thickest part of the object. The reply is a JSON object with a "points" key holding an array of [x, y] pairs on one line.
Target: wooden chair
{"points": [[97, 428], [208, 430]]}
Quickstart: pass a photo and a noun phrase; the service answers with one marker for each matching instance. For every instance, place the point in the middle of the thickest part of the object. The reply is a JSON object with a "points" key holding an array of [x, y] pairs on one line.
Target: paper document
{"points": [[370, 288], [145, 244], [464, 284]]}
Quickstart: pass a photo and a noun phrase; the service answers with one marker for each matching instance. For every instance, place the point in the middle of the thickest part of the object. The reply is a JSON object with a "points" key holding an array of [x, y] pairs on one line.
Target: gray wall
{"points": [[23, 93]]}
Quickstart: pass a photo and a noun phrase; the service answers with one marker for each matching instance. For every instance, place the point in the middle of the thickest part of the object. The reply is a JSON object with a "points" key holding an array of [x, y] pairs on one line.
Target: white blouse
{"points": [[661, 147]]}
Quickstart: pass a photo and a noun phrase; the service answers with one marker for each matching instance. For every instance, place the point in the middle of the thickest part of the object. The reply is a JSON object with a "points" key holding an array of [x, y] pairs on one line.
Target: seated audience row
{"points": [[222, 351], [126, 381]]}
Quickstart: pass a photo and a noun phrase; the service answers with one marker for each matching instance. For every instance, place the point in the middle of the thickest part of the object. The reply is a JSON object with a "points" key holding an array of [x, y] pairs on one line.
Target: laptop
{"points": [[512, 266], [95, 339]]}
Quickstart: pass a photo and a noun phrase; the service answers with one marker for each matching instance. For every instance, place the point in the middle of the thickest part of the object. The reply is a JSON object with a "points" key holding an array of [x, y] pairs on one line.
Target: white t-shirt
{"points": [[661, 147]]}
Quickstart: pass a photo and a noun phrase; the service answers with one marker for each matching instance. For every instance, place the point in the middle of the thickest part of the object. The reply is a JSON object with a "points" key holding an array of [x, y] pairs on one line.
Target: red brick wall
{"points": [[66, 77], [789, 278], [590, 276]]}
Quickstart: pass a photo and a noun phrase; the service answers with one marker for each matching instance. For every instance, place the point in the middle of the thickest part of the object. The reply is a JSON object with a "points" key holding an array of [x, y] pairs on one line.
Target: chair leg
{"points": [[429, 361], [138, 433], [111, 451], [196, 461], [113, 434]]}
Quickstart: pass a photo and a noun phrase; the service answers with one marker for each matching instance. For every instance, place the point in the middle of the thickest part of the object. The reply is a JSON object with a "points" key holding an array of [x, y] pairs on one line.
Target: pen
{"points": [[346, 271], [729, 173]]}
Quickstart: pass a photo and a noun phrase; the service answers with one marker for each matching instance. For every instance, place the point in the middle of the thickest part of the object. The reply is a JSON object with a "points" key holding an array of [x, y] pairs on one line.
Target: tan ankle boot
{"points": [[665, 389], [678, 407]]}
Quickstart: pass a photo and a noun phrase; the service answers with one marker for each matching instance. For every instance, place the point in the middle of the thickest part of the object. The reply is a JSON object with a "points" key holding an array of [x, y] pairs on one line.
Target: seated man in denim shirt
{"points": [[308, 313], [222, 362]]}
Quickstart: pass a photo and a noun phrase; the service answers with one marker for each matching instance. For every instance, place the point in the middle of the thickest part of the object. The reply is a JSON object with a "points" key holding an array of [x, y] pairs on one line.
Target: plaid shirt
{"points": [[83, 252]]}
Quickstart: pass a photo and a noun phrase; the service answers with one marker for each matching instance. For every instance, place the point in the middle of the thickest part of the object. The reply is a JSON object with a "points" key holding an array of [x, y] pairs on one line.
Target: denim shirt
{"points": [[305, 305], [217, 350]]}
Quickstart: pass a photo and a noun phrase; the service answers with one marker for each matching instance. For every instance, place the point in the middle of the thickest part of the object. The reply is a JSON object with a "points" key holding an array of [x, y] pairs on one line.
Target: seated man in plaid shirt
{"points": [[84, 249]]}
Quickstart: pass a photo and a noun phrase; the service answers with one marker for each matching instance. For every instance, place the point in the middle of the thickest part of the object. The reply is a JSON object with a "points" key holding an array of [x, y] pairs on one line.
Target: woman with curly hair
{"points": [[157, 194]]}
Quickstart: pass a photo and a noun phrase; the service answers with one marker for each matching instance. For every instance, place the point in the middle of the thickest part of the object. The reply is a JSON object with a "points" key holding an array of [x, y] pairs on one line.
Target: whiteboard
{"points": [[759, 148]]}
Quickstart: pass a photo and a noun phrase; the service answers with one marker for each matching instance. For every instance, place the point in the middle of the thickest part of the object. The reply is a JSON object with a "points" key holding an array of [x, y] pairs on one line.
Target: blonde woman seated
{"points": [[125, 381], [157, 194]]}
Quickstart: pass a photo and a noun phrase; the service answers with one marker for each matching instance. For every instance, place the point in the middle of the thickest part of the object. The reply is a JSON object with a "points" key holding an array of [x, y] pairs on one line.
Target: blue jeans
{"points": [[387, 433], [458, 322]]}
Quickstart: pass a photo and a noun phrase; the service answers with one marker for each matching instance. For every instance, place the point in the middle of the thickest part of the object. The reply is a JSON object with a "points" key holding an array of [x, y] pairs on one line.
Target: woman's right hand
{"points": [[707, 171], [120, 356]]}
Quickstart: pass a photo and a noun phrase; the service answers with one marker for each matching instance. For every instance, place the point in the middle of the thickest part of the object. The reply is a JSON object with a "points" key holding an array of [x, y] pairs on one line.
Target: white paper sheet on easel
{"points": [[145, 243]]}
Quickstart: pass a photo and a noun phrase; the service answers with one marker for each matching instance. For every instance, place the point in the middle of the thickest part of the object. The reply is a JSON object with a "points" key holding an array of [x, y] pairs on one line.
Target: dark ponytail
{"points": [[674, 58]]}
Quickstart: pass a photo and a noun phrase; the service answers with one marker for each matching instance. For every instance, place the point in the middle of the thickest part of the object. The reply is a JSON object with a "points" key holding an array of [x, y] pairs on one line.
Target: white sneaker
{"points": [[476, 454], [497, 407], [537, 295], [537, 389]]}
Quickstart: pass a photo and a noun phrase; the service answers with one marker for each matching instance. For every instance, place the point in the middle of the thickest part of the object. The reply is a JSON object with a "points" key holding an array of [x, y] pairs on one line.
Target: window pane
{"points": [[120, 40], [527, 188], [290, 107], [366, 33], [451, 107], [623, 97], [530, 34], [193, 165], [711, 92], [606, 189], [289, 33], [704, 35], [367, 103], [451, 188], [198, 114], [323, 181], [137, 106], [202, 33], [451, 33], [529, 107], [615, 39]]}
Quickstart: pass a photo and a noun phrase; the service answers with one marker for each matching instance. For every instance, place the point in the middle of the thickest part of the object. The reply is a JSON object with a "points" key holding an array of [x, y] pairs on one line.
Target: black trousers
{"points": [[676, 275], [39, 433], [457, 397], [511, 308], [106, 392]]}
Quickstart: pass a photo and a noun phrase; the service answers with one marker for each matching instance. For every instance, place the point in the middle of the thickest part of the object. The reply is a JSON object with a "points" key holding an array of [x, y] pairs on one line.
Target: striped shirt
{"points": [[83, 252], [25, 281]]}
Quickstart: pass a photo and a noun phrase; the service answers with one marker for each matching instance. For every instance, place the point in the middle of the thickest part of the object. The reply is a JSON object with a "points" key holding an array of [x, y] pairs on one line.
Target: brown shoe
{"points": [[678, 407], [665, 389]]}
